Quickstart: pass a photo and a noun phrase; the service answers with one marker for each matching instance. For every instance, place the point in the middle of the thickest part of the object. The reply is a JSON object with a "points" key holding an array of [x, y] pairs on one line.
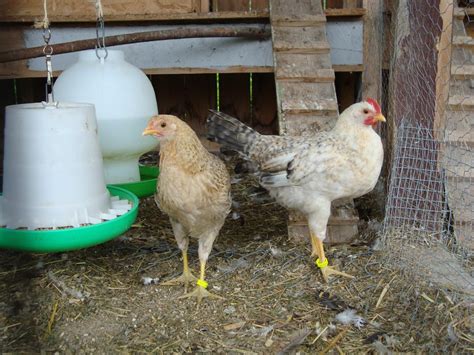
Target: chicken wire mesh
{"points": [[428, 93]]}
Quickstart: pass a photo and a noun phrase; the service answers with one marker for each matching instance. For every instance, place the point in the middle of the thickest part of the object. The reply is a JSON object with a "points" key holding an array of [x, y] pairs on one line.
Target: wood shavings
{"points": [[234, 326], [275, 296], [334, 341], [296, 340]]}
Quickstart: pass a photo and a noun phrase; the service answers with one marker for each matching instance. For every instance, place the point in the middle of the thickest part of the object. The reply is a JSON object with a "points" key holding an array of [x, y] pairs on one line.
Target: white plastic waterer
{"points": [[124, 100], [53, 171]]}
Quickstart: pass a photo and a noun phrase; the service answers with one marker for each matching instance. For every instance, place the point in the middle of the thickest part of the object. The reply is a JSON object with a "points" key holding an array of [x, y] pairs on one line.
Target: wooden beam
{"points": [[353, 12], [297, 21], [152, 71], [80, 10], [348, 68], [463, 41], [461, 103], [462, 72], [221, 70], [243, 16], [460, 12]]}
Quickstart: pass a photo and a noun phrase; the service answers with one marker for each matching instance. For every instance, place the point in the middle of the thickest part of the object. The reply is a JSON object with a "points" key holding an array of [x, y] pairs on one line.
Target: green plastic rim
{"points": [[147, 184], [59, 240]]}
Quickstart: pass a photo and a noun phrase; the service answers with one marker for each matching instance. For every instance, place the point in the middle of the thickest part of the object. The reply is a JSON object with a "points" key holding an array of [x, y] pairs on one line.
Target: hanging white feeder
{"points": [[124, 100], [53, 171]]}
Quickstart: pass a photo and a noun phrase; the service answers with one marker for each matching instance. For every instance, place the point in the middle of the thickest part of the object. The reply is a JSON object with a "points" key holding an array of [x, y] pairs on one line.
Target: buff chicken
{"points": [[193, 190], [307, 173]]}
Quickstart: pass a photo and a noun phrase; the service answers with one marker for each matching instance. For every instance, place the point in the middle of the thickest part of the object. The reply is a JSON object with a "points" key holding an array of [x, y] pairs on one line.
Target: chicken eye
{"points": [[366, 111], [163, 124]]}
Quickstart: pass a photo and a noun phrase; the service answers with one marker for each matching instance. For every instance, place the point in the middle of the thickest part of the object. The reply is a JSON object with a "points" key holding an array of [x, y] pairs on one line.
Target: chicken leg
{"points": [[205, 247], [322, 261], [185, 278], [200, 291], [181, 237]]}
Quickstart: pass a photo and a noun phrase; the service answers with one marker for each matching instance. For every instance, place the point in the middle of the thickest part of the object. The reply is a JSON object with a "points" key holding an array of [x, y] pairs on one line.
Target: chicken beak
{"points": [[379, 118], [150, 131]]}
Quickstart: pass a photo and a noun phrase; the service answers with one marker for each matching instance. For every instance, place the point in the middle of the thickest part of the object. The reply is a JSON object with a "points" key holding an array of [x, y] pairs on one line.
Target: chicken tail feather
{"points": [[270, 180], [230, 132]]}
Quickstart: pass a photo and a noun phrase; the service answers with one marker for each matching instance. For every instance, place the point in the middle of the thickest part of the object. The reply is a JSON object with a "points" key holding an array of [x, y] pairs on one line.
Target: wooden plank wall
{"points": [[80, 10], [239, 5]]}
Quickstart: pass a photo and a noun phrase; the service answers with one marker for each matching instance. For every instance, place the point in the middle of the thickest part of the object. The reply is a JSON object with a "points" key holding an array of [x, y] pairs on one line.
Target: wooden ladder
{"points": [[306, 95], [459, 130]]}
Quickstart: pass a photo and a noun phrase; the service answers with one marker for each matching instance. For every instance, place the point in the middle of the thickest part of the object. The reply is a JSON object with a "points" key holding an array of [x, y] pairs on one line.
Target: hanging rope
{"points": [[100, 30], [98, 9], [44, 23]]}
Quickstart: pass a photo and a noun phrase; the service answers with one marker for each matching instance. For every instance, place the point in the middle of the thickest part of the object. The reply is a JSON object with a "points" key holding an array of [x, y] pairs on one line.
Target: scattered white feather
{"points": [[235, 215], [276, 252], [68, 290], [380, 348], [235, 180], [375, 324], [452, 333], [391, 341], [240, 263], [378, 245], [150, 280], [374, 225], [349, 316], [229, 310], [263, 332]]}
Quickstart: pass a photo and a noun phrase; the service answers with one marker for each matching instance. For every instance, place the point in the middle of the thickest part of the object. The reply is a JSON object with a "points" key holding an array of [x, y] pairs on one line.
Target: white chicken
{"points": [[307, 173]]}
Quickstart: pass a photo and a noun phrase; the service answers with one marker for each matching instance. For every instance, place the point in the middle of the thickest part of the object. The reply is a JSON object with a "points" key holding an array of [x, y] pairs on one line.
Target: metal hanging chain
{"points": [[100, 31], [48, 52]]}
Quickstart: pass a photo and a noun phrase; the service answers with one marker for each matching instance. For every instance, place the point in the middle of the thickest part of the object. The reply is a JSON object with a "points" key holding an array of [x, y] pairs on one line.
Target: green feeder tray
{"points": [[147, 184], [58, 240]]}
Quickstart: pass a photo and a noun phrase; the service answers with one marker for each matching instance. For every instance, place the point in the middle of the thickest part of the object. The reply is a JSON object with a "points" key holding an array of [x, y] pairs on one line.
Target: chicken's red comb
{"points": [[375, 104]]}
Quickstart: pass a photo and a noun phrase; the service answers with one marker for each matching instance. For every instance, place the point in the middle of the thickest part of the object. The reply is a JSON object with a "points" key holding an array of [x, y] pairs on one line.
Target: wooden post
{"points": [[205, 6], [373, 42], [443, 75], [412, 99]]}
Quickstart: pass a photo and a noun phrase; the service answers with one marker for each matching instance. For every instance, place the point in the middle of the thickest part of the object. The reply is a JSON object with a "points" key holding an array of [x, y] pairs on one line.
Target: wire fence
{"points": [[429, 96]]}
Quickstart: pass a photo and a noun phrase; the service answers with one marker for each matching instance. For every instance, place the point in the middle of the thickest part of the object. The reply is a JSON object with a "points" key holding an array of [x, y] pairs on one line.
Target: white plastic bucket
{"points": [[124, 100], [53, 170]]}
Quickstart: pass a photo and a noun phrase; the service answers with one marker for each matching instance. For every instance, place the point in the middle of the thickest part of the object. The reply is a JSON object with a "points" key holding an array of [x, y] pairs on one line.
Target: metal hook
{"points": [[100, 27], [46, 35]]}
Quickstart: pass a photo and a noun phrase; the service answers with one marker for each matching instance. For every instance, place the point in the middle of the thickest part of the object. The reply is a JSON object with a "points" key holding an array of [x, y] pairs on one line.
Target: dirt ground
{"points": [[95, 300]]}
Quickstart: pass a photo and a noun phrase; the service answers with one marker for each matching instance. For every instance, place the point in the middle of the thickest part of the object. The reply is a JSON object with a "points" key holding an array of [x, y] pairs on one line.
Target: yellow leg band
{"points": [[202, 283], [322, 264]]}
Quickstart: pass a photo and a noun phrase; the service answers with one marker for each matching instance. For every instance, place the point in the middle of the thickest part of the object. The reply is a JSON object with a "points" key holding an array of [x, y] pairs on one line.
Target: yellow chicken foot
{"points": [[322, 261], [200, 291], [185, 278]]}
